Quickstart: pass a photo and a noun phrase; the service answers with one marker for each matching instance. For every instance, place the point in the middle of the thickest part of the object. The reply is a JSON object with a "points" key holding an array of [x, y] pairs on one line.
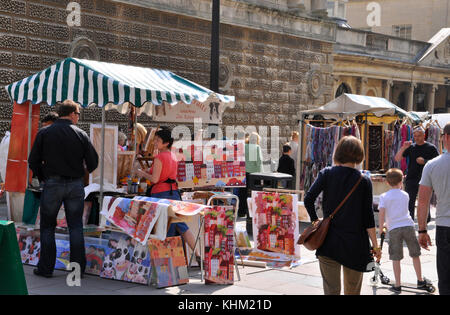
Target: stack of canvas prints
{"points": [[125, 259], [135, 217], [168, 262]]}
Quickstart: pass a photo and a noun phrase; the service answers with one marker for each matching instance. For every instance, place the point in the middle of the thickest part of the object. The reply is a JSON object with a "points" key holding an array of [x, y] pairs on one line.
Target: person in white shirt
{"points": [[436, 177], [394, 211]]}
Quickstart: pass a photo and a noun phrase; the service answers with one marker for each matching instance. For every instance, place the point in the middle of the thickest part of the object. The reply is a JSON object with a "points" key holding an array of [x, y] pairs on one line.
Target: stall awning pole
{"points": [[299, 154], [135, 148], [102, 158], [366, 141], [300, 157], [30, 109]]}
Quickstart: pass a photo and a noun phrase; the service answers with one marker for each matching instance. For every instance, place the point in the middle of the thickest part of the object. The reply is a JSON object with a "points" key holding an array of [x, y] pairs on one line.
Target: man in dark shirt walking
{"points": [[419, 153], [59, 156]]}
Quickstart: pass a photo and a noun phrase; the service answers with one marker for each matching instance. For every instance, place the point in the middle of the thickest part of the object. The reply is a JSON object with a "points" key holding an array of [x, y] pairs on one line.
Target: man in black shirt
{"points": [[286, 164], [59, 156], [419, 153]]}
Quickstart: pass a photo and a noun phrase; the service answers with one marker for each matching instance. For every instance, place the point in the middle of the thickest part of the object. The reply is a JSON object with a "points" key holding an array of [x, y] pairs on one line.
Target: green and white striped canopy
{"points": [[92, 82]]}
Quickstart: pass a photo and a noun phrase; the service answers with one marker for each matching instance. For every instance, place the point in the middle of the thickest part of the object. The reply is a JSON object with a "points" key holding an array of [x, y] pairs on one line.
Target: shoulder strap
{"points": [[346, 197]]}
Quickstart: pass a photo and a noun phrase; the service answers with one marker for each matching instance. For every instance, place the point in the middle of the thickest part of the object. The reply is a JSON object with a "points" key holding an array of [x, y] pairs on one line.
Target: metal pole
{"points": [[300, 157], [215, 53], [366, 141], [102, 158], [30, 110], [135, 130]]}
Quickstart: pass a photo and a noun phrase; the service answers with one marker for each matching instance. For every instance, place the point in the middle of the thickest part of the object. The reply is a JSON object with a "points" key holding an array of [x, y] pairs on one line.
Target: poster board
{"points": [[219, 163], [275, 223], [219, 245], [149, 148], [17, 163], [126, 260], [134, 217], [125, 160], [169, 263], [29, 246], [110, 157]]}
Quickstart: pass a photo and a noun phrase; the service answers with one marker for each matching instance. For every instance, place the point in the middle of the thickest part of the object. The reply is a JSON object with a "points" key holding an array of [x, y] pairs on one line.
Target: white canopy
{"points": [[442, 119], [347, 106]]}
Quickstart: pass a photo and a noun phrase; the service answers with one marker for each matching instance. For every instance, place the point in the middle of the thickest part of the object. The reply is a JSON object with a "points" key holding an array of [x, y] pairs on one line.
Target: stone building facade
{"points": [[273, 59], [411, 74], [411, 19]]}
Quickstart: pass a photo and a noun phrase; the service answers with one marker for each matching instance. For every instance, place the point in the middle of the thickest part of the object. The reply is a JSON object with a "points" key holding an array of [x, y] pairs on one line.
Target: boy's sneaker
{"points": [[397, 289], [423, 284]]}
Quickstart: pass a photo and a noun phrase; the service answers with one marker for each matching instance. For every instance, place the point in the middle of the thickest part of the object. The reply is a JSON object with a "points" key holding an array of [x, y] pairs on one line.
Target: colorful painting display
{"points": [[96, 250], [219, 245], [272, 260], [212, 163], [135, 217], [275, 222], [62, 253], [126, 260], [168, 262], [30, 247]]}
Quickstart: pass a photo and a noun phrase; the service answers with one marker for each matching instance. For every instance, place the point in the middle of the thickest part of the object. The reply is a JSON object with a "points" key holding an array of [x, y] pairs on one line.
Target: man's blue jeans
{"points": [[443, 259], [56, 192]]}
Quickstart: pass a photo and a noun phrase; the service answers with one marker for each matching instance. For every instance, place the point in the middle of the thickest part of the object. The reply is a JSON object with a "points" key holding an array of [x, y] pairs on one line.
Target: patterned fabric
{"points": [[320, 146]]}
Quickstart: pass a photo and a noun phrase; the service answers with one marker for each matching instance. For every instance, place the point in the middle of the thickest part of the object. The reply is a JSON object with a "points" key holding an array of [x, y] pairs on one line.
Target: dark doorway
{"points": [[343, 88], [401, 100]]}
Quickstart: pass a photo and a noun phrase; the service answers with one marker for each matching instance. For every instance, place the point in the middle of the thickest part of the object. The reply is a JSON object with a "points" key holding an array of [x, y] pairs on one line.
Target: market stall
{"points": [[380, 125], [434, 125], [134, 90]]}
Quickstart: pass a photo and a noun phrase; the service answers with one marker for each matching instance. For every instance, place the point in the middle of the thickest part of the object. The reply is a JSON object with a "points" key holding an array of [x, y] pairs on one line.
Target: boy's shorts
{"points": [[396, 238]]}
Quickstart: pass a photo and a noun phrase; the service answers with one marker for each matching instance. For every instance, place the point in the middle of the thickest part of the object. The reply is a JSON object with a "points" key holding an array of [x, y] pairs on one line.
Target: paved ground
{"points": [[301, 280]]}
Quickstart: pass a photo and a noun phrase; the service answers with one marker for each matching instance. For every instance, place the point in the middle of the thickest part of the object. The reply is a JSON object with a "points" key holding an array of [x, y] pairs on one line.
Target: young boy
{"points": [[286, 164], [394, 210]]}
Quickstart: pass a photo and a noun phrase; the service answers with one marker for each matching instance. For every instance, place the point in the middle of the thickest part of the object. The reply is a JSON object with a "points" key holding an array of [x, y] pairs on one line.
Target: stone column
{"points": [[361, 85], [319, 8], [411, 88], [388, 84], [296, 6], [431, 98]]}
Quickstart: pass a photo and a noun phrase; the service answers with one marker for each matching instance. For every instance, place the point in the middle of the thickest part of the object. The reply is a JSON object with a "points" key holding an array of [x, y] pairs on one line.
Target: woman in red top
{"points": [[163, 176]]}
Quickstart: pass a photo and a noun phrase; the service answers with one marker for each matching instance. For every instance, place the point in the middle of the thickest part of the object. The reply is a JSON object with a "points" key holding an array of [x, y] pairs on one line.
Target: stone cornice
{"points": [[242, 13], [373, 61]]}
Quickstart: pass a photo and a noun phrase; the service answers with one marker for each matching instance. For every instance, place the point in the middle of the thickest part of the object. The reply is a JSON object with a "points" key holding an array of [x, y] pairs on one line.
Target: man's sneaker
{"points": [[397, 289], [424, 283]]}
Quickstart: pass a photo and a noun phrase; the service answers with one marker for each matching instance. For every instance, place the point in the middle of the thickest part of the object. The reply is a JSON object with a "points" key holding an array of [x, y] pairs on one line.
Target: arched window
{"points": [[371, 92], [343, 88]]}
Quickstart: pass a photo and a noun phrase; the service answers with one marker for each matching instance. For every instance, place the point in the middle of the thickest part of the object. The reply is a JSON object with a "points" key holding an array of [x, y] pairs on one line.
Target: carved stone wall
{"points": [[272, 75]]}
